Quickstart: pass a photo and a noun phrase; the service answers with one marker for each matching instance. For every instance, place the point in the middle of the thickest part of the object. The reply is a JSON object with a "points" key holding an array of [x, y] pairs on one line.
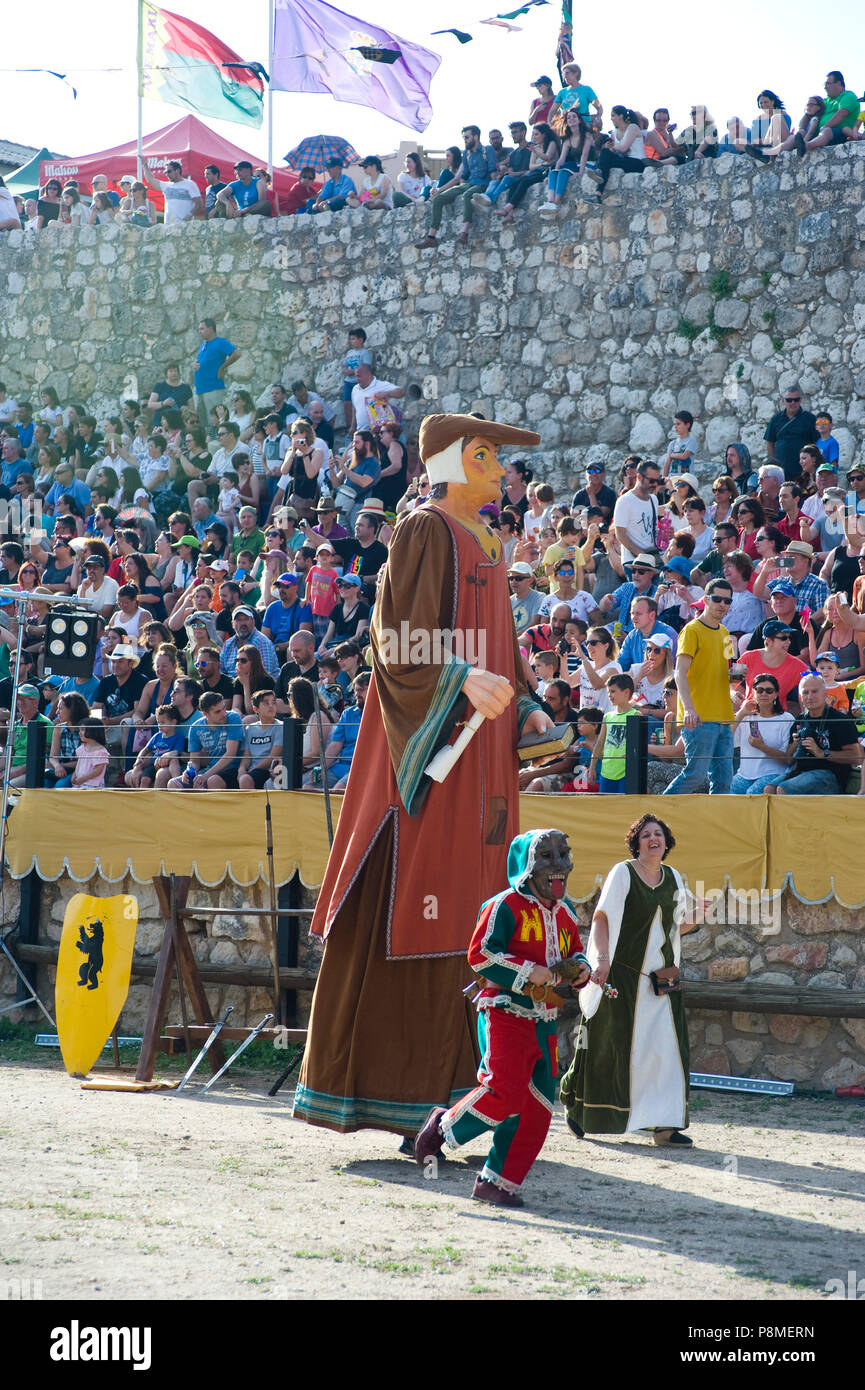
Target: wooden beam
{"points": [[144, 968], [752, 997]]}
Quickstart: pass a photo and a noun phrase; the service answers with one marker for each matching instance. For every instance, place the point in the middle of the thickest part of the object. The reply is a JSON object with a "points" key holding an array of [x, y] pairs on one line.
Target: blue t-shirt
{"points": [[210, 358], [160, 744], [353, 359], [346, 732], [244, 194], [283, 623], [828, 448], [337, 188], [11, 472], [211, 740]]}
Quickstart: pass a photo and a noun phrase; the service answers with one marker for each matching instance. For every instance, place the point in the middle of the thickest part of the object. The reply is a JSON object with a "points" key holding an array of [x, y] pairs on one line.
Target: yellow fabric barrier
{"points": [[208, 835], [811, 843]]}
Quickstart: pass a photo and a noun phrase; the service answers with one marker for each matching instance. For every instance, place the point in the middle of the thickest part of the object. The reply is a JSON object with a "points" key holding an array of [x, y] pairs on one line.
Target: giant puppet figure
{"points": [[390, 1033]]}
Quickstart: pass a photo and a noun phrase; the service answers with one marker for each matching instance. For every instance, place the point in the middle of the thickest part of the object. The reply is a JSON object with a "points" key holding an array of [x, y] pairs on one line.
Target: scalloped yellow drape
{"points": [[814, 843]]}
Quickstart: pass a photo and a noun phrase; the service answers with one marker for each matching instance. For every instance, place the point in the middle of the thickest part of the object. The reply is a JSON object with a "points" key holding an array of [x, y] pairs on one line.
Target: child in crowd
{"points": [[609, 750], [356, 355], [683, 449], [164, 749], [262, 744], [829, 667], [321, 591], [589, 723], [92, 756], [826, 441], [546, 669], [229, 501]]}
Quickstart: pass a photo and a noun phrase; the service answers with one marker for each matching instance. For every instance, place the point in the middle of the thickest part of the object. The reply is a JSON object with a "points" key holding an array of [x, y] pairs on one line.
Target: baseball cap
{"points": [[325, 548], [30, 691], [351, 579], [220, 565], [286, 514], [286, 579], [650, 560], [521, 568], [190, 540], [782, 586], [659, 639], [242, 608], [94, 560], [828, 656], [538, 80], [333, 164], [827, 468], [774, 628]]}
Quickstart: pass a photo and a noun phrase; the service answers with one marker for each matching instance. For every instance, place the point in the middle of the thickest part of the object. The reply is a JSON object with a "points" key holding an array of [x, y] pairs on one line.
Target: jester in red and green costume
{"points": [[525, 939]]}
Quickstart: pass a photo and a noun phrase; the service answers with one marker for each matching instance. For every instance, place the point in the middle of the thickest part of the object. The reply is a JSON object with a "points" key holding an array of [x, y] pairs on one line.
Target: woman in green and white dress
{"points": [[631, 1067]]}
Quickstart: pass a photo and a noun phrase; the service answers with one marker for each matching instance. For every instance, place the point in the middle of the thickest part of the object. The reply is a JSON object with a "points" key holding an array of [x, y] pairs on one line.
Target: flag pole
{"points": [[270, 91], [140, 64]]}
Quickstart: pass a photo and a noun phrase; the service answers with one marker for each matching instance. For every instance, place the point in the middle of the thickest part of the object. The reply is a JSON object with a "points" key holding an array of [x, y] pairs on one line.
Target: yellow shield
{"points": [[93, 969]]}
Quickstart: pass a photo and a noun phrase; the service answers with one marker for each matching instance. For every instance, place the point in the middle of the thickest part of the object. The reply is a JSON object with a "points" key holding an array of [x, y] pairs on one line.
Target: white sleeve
{"points": [[612, 899]]}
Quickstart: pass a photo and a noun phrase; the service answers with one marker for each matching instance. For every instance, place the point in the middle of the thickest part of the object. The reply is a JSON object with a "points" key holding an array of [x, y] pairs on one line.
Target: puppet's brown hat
{"points": [[440, 439], [438, 431]]}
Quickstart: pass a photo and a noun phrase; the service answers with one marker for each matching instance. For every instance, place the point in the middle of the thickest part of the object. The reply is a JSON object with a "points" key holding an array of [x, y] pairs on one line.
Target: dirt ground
{"points": [[113, 1196]]}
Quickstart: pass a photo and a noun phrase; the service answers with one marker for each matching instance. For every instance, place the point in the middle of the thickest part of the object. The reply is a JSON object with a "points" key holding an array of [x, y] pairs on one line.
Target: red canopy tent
{"points": [[189, 140]]}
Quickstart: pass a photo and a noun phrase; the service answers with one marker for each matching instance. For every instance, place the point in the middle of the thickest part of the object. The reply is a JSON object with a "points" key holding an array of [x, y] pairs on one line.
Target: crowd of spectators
{"points": [[562, 135], [231, 544]]}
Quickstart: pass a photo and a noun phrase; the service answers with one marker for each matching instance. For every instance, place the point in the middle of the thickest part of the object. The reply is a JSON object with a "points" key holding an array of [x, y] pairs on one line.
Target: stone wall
{"points": [[821, 945], [707, 287]]}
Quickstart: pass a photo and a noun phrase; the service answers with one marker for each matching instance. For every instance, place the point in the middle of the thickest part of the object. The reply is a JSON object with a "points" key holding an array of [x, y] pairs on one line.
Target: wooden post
{"points": [[162, 982], [636, 756], [31, 884]]}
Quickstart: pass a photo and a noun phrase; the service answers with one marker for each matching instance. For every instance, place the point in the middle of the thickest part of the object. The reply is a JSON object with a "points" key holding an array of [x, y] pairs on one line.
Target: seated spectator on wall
{"points": [[335, 192], [839, 119], [822, 752], [164, 750], [246, 196], [699, 140], [376, 190], [624, 150], [658, 141]]}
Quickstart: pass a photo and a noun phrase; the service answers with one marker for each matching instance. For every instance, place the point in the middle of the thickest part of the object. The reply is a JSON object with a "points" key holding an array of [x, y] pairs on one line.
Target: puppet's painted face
{"points": [[552, 862], [483, 471]]}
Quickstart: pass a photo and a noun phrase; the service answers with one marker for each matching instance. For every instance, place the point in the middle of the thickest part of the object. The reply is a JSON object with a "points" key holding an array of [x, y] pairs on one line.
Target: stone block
{"points": [[805, 957], [728, 968], [788, 1066], [731, 313], [714, 1034], [785, 1027], [647, 434], [856, 1028], [847, 1072], [713, 1061], [743, 1054]]}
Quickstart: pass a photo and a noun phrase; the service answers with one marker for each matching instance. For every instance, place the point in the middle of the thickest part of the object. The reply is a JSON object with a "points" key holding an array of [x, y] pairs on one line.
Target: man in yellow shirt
{"points": [[705, 707]]}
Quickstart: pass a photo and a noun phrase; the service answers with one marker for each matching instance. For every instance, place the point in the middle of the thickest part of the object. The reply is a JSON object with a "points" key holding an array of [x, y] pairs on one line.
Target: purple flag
{"points": [[315, 49]]}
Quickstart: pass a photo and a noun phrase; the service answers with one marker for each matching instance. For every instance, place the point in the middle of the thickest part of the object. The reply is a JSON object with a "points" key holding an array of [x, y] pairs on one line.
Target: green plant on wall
{"points": [[721, 285], [686, 328]]}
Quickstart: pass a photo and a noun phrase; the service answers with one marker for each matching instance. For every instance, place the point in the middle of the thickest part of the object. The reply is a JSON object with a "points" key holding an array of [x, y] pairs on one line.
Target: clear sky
{"points": [[630, 52]]}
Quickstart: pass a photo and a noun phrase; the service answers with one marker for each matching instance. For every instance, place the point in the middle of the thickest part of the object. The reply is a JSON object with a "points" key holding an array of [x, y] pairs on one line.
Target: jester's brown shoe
{"points": [[430, 1140], [484, 1191]]}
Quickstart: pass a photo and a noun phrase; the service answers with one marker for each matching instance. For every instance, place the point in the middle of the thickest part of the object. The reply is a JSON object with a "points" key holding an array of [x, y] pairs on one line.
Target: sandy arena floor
{"points": [[110, 1196]]}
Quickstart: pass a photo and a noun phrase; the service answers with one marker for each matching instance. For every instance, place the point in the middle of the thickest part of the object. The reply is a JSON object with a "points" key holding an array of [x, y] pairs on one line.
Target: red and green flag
{"points": [[186, 65]]}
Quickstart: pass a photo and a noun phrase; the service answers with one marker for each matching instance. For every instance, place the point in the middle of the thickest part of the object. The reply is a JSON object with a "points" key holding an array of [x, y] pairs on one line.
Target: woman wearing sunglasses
{"points": [[724, 492], [762, 735], [750, 518]]}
